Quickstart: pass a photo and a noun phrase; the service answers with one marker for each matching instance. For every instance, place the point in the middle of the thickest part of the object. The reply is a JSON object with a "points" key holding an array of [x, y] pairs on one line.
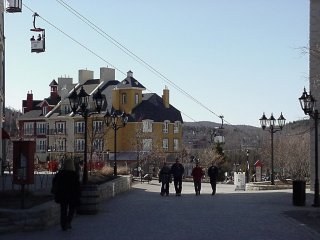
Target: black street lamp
{"points": [[270, 125], [116, 120], [307, 103], [79, 105], [248, 168]]}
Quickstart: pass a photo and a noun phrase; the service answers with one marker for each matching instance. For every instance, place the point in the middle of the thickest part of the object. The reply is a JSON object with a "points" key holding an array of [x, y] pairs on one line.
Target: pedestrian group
{"points": [[177, 171], [66, 185]]}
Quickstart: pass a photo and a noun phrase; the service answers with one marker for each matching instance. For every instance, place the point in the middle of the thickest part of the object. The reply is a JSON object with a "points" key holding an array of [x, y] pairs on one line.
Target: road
{"points": [[142, 214]]}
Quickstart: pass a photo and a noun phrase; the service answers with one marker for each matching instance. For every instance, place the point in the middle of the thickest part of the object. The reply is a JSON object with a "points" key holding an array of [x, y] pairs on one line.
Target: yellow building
{"points": [[152, 134]]}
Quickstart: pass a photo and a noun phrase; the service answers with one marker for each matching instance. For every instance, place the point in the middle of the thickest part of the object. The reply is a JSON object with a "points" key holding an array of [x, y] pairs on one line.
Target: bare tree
{"points": [[293, 157]]}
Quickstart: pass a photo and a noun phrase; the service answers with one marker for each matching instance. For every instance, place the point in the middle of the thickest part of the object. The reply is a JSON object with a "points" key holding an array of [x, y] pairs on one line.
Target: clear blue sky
{"points": [[238, 58]]}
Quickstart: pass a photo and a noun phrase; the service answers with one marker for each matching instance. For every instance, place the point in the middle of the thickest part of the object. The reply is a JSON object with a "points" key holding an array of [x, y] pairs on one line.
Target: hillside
{"points": [[236, 136], [201, 133]]}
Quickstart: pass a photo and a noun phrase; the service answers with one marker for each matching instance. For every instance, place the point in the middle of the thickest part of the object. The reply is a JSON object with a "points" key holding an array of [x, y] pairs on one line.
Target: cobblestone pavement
{"points": [[142, 213]]}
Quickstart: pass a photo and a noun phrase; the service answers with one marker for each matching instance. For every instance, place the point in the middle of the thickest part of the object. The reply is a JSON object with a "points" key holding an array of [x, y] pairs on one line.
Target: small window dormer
{"points": [[45, 110]]}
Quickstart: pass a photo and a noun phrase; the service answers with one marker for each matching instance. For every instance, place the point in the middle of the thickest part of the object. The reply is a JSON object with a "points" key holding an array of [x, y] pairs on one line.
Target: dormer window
{"points": [[45, 110]]}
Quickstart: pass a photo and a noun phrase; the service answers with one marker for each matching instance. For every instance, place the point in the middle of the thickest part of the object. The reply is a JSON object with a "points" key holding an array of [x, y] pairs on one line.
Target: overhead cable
{"points": [[76, 41], [132, 55]]}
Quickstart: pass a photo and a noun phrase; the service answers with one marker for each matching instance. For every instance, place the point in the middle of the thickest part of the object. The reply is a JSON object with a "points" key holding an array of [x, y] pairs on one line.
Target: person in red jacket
{"points": [[197, 174]]}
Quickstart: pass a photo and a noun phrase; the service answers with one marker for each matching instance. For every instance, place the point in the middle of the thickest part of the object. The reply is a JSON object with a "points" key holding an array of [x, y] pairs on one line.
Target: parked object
{"points": [[240, 181], [299, 192]]}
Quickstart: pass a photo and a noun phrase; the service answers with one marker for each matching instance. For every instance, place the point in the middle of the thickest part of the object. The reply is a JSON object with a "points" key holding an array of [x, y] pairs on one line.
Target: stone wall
{"points": [[48, 214]]}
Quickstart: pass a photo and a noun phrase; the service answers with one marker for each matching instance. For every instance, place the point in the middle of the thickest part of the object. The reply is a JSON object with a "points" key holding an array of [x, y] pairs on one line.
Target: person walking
{"points": [[177, 170], [213, 174], [197, 174], [165, 179], [66, 187]]}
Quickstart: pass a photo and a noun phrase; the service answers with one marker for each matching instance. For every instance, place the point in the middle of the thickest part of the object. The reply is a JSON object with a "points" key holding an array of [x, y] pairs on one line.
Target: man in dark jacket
{"points": [[67, 192], [177, 170], [213, 174], [165, 179]]}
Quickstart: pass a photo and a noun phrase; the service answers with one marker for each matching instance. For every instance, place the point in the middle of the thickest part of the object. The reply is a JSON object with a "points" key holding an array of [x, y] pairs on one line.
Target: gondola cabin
{"points": [[38, 40], [13, 6]]}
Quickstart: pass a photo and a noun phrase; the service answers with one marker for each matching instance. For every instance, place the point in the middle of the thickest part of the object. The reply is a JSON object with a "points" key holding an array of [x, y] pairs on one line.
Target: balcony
{"points": [[57, 131]]}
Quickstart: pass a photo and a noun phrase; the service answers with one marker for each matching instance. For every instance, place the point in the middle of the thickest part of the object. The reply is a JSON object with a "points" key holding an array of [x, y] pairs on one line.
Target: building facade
{"points": [[153, 132], [314, 73]]}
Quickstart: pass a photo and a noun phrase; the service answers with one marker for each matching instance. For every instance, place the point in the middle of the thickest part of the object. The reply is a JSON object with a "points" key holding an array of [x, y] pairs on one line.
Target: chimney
{"points": [[53, 91], [129, 73], [85, 75], [107, 74], [165, 97], [29, 101]]}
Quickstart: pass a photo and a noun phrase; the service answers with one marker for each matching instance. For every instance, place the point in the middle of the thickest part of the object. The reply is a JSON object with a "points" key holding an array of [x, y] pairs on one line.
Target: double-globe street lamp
{"points": [[79, 105], [307, 103], [116, 120], [269, 124]]}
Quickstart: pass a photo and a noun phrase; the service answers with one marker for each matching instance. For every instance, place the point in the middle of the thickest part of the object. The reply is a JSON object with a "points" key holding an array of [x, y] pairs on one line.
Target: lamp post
{"points": [[108, 155], [79, 105], [270, 125], [307, 103], [248, 168], [116, 120]]}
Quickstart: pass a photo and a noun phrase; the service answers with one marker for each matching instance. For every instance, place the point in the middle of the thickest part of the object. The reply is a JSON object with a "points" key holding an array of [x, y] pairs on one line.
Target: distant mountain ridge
{"points": [[236, 136]]}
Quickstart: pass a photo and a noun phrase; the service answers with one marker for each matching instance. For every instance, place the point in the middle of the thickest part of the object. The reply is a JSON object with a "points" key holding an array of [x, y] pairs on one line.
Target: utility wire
{"points": [[121, 47], [82, 45], [125, 50], [76, 41], [132, 55]]}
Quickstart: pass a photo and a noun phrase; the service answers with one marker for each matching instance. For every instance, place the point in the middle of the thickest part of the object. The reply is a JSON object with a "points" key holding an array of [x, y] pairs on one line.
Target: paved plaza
{"points": [[143, 214]]}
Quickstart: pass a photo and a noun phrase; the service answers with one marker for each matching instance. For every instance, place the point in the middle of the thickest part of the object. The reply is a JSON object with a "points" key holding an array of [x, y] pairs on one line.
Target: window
{"points": [[98, 145], [45, 110], [60, 127], [28, 128], [124, 98], [175, 144], [79, 145], [136, 98], [147, 126], [176, 127], [147, 144], [41, 128], [65, 109], [165, 144], [165, 127], [41, 145], [61, 145], [97, 126], [79, 127]]}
